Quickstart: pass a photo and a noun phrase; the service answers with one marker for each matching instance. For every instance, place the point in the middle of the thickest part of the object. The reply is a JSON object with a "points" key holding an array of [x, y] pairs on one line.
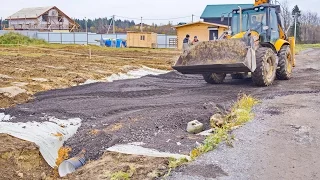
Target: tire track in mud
{"points": [[154, 109]]}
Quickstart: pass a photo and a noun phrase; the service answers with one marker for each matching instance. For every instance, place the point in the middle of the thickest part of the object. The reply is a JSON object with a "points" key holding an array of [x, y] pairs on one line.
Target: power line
{"points": [[155, 19]]}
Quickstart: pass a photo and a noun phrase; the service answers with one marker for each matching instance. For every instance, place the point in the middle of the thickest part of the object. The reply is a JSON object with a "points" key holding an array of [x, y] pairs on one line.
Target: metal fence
{"points": [[164, 41]]}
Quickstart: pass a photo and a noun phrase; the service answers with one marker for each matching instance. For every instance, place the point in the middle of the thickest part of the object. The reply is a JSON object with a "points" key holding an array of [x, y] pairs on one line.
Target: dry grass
{"points": [[66, 65]]}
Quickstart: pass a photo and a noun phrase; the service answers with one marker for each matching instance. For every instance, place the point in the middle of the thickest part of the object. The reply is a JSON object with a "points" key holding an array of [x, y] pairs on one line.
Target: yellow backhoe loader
{"points": [[256, 44]]}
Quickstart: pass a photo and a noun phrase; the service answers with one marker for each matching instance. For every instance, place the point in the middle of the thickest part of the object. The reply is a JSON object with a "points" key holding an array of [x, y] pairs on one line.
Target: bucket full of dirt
{"points": [[221, 56]]}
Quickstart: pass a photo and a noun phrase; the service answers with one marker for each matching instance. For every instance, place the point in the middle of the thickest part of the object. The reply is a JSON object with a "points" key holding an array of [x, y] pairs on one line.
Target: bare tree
{"points": [[286, 14]]}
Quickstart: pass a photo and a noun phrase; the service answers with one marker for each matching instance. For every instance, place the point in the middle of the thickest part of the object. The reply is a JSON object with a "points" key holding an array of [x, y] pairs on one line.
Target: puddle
{"points": [[49, 135]]}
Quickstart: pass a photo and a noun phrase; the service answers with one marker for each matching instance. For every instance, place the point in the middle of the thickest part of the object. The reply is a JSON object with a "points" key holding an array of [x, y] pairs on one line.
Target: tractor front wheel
{"points": [[265, 73]]}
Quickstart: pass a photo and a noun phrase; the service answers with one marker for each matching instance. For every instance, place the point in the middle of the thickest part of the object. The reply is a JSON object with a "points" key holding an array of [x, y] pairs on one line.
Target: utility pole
{"points": [[141, 25], [113, 24], [192, 17], [295, 26], [85, 18]]}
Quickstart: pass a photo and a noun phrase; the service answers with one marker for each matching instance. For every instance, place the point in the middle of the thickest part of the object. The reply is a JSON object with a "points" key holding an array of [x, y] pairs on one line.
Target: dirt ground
{"points": [[39, 68], [154, 110], [21, 160], [117, 166]]}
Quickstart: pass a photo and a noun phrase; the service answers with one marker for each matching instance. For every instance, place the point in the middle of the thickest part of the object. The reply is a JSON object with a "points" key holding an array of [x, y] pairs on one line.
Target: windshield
{"points": [[253, 19]]}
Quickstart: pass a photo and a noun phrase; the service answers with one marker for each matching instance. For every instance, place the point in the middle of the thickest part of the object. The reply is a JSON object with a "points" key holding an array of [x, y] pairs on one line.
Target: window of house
{"points": [[142, 38], [45, 17]]}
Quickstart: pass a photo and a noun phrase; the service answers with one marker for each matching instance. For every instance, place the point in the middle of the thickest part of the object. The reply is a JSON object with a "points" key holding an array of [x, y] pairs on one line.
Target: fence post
{"points": [[74, 38], [48, 37], [166, 41], [61, 37], [87, 38]]}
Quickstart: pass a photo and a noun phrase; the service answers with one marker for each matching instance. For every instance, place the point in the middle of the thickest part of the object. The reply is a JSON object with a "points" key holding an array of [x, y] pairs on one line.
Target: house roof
{"points": [[35, 12], [214, 11], [30, 12], [201, 22]]}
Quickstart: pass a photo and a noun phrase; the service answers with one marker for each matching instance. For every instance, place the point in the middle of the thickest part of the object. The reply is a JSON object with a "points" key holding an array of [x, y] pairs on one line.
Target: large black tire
{"points": [[265, 73], [214, 78], [239, 76], [285, 65]]}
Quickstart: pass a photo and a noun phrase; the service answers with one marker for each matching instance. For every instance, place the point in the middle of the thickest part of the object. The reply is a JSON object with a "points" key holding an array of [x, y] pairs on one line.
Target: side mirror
{"points": [[222, 18]]}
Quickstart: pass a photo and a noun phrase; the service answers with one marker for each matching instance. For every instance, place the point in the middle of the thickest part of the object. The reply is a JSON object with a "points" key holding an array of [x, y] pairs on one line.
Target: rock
{"points": [[43, 176], [79, 80], [194, 127], [179, 143], [40, 79], [20, 175], [216, 120]]}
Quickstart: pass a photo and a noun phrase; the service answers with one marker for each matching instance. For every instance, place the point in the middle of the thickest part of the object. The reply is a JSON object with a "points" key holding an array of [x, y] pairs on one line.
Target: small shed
{"points": [[142, 39], [203, 30]]}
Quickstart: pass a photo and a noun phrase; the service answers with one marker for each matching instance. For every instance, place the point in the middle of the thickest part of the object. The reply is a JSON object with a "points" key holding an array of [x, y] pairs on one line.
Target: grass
{"points": [[301, 47], [241, 112], [120, 175], [16, 38]]}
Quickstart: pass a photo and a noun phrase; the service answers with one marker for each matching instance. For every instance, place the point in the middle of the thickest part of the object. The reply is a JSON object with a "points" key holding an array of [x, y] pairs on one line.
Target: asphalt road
{"points": [[154, 110], [283, 140]]}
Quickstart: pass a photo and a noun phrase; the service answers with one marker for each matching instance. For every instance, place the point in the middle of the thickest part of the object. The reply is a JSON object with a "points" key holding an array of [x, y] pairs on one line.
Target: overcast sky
{"points": [[148, 9]]}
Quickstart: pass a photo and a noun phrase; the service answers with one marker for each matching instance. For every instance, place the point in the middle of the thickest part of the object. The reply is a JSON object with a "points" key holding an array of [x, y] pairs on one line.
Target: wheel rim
{"points": [[269, 68]]}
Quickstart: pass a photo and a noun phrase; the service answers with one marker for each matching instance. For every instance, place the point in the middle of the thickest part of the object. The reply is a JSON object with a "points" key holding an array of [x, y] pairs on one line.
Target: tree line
{"points": [[307, 23], [104, 25]]}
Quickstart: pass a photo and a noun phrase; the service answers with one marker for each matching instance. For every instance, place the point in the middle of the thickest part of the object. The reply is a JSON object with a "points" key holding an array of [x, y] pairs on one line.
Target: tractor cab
{"points": [[261, 19]]}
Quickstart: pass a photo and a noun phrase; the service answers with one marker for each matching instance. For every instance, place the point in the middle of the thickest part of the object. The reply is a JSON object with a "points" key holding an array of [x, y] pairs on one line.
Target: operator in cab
{"points": [[254, 23]]}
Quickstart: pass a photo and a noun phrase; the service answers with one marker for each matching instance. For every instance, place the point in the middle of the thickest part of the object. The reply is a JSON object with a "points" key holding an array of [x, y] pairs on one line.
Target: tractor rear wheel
{"points": [[265, 73], [214, 78], [285, 66], [239, 76]]}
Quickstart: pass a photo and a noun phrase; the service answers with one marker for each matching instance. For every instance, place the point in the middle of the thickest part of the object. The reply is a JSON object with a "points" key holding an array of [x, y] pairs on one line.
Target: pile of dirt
{"points": [[21, 159], [216, 52], [114, 165]]}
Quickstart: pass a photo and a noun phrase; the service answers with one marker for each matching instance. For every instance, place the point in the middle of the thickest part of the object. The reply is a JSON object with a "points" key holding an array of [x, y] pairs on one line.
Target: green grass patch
{"points": [[301, 47], [120, 175], [16, 38], [241, 112]]}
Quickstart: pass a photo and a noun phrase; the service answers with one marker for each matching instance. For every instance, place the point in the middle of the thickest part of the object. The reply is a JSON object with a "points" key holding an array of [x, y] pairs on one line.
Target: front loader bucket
{"points": [[221, 56]]}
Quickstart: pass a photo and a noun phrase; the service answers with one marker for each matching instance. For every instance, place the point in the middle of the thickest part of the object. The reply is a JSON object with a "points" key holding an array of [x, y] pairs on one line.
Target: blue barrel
{"points": [[108, 43], [118, 43]]}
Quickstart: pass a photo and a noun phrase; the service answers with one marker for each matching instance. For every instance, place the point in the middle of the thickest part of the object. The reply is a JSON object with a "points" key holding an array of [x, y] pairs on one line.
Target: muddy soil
{"points": [[112, 165], [37, 69], [21, 159], [154, 110]]}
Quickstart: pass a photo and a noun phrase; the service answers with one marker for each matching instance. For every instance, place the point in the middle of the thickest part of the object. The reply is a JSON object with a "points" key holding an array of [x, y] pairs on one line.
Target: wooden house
{"points": [[142, 39]]}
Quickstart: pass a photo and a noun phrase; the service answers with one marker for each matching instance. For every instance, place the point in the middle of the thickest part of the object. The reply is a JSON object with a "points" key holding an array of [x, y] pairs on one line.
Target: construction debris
{"points": [[194, 127]]}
